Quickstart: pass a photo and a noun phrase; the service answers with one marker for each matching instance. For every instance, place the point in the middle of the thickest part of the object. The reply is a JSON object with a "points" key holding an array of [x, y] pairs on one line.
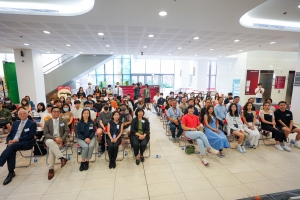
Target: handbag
{"points": [[189, 149]]}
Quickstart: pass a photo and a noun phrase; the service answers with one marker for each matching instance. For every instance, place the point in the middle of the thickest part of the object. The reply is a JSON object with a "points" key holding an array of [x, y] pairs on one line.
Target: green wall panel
{"points": [[10, 76]]}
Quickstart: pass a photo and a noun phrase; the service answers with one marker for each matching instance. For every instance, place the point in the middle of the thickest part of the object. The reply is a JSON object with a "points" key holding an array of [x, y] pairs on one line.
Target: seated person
{"points": [[57, 103], [127, 103], [98, 105], [216, 137], [174, 115], [113, 103], [40, 108], [8, 104], [284, 121], [25, 103], [235, 126], [249, 117], [220, 111], [103, 118], [56, 131], [142, 105], [228, 100], [21, 137], [67, 114], [86, 138], [183, 104], [46, 115], [114, 133], [191, 124], [90, 98], [139, 98], [140, 135], [125, 118], [192, 103], [169, 105], [270, 101], [160, 102], [268, 124], [155, 98], [87, 105], [77, 110], [5, 117], [117, 100], [236, 100], [83, 100], [92, 107]]}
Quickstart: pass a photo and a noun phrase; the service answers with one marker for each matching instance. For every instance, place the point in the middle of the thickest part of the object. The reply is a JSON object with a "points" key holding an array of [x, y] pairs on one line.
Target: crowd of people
{"points": [[102, 117]]}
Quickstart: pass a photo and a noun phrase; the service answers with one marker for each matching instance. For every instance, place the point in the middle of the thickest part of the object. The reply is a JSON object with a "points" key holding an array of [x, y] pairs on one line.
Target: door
{"points": [[266, 78], [289, 89]]}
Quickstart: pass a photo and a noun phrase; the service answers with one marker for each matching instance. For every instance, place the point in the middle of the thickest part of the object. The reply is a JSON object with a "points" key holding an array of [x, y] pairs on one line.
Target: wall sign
{"points": [[279, 82], [236, 86], [251, 81], [297, 79]]}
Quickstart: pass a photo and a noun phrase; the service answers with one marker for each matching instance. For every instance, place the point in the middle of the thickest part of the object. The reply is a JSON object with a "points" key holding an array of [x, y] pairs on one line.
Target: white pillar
{"points": [[201, 75], [30, 75], [295, 108], [185, 74]]}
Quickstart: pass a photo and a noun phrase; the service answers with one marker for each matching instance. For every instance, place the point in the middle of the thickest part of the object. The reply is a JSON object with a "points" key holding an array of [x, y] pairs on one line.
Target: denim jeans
{"points": [[173, 129], [258, 100], [201, 140]]}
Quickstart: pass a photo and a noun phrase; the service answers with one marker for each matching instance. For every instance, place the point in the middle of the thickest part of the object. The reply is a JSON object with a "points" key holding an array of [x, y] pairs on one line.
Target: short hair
{"points": [[280, 102], [230, 93], [112, 115], [21, 107], [220, 98], [56, 101], [269, 99], [138, 110], [250, 98], [109, 86], [236, 97], [190, 106], [161, 93], [74, 95], [207, 100], [157, 91], [87, 103], [173, 99], [259, 84], [192, 100], [49, 105], [89, 95], [77, 102], [54, 107]]}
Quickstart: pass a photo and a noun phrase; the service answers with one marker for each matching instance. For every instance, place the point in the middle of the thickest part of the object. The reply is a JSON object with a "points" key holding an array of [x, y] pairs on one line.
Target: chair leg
{"points": [[30, 157]]}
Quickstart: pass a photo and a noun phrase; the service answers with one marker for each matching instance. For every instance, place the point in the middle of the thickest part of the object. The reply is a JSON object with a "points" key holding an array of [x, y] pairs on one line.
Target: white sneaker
{"points": [[204, 161], [297, 144], [239, 149], [212, 150], [243, 149], [279, 147], [286, 147]]}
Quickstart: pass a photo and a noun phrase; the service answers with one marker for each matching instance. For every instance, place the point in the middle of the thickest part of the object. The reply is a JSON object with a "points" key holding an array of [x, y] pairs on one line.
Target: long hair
{"points": [[81, 119], [209, 118], [65, 104], [43, 109], [236, 111], [245, 109]]}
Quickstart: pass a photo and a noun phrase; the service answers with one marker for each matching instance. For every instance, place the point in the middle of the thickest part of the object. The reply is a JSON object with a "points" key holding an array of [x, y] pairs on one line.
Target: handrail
{"points": [[60, 63], [55, 60]]}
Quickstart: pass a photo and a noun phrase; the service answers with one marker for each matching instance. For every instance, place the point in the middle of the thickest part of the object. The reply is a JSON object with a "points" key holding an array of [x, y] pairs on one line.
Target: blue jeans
{"points": [[258, 100], [173, 129], [155, 107], [201, 140]]}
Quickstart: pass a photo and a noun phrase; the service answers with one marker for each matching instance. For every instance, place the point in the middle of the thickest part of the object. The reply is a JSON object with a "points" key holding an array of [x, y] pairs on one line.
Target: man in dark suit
{"points": [[21, 137], [56, 131]]}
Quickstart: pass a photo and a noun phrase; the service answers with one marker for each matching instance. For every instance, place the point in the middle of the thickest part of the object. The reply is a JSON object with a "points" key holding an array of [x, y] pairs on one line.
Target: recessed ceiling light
{"points": [[299, 6], [47, 32], [48, 52], [169, 54], [240, 50], [80, 52], [179, 48], [101, 34], [236, 40], [68, 45], [163, 13], [211, 49], [150, 35], [145, 47], [196, 38], [272, 42], [26, 44], [111, 52], [107, 45]]}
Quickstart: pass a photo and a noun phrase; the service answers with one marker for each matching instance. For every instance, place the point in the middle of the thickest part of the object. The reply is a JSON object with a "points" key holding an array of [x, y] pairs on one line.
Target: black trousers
{"points": [[277, 134], [113, 149], [9, 154], [138, 145]]}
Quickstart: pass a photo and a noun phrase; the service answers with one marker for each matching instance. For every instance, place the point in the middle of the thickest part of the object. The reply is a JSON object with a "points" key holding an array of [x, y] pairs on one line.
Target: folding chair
{"points": [[230, 137], [265, 135], [30, 157], [147, 148], [185, 139]]}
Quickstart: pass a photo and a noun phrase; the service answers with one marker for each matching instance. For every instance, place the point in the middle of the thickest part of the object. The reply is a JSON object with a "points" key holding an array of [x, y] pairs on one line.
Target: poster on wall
{"points": [[297, 79], [279, 82], [251, 81], [236, 86]]}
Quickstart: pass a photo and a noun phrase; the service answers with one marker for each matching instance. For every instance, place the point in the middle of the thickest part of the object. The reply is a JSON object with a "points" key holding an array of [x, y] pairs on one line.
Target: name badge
{"points": [[271, 114], [62, 124], [91, 128], [26, 130], [143, 121], [118, 126]]}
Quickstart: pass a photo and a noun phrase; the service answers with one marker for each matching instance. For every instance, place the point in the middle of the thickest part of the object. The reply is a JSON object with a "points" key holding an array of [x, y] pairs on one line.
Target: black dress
{"points": [[277, 134]]}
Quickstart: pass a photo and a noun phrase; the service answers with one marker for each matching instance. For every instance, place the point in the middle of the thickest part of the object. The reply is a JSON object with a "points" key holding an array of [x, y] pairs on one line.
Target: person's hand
{"points": [[217, 131], [176, 122], [87, 140], [252, 127], [291, 130], [9, 142], [274, 123], [193, 129], [58, 140], [275, 127]]}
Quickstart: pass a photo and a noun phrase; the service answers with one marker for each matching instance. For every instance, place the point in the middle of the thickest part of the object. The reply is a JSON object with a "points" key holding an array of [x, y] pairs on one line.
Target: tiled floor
{"points": [[173, 176]]}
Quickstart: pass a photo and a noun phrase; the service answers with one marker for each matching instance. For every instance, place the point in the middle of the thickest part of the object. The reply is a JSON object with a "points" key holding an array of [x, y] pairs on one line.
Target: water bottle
{"points": [[157, 156], [182, 148], [99, 155], [247, 144], [69, 159], [35, 161], [292, 143]]}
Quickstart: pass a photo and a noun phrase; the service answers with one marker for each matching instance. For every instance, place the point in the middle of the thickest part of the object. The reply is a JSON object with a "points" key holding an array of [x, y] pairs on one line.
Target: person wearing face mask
{"points": [[26, 105], [109, 90], [52, 101], [83, 100], [118, 91], [141, 105], [67, 114], [155, 98], [112, 102], [180, 96], [136, 102], [87, 105], [10, 106], [89, 90], [30, 102], [90, 98], [172, 94], [127, 103], [125, 118], [160, 102], [129, 99]]}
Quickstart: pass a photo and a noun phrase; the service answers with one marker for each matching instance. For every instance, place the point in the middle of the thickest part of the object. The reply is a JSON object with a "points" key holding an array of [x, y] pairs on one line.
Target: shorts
{"points": [[147, 100], [280, 127]]}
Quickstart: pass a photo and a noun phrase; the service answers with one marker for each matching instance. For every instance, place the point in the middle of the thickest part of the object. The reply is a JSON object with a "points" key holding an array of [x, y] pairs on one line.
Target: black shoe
{"points": [[81, 168], [114, 164], [110, 165], [142, 159], [137, 162], [9, 178], [86, 166]]}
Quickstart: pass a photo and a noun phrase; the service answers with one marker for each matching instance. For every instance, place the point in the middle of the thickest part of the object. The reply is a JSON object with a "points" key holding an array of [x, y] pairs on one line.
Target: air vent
{"points": [[28, 10], [278, 27]]}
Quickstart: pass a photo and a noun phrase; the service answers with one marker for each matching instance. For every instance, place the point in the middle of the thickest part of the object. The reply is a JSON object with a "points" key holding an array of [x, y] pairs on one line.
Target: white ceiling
{"points": [[127, 24]]}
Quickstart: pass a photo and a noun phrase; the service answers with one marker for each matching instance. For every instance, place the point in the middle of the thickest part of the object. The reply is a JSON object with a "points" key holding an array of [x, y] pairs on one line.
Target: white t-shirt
{"points": [[77, 113], [155, 98], [259, 95]]}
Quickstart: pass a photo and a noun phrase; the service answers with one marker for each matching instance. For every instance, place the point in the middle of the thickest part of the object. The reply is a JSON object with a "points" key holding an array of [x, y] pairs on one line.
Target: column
{"points": [[201, 75], [296, 94], [30, 75]]}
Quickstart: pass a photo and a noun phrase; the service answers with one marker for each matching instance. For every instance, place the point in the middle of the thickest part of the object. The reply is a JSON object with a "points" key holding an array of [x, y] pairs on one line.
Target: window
{"points": [[126, 66], [109, 79], [126, 80], [138, 66], [117, 66], [152, 66], [109, 67], [100, 70], [117, 78], [211, 75], [167, 66]]}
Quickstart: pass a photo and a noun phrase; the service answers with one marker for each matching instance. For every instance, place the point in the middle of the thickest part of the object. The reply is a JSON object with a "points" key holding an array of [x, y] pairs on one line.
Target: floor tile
{"points": [[30, 190], [71, 176], [38, 197], [250, 176], [170, 196], [161, 189], [288, 183], [188, 174], [214, 171], [94, 174], [210, 194], [107, 194], [274, 173], [157, 168], [183, 166], [132, 192], [59, 187], [223, 180], [160, 177], [125, 181], [194, 184], [263, 187], [236, 168], [94, 184], [5, 191], [236, 192], [64, 196]]}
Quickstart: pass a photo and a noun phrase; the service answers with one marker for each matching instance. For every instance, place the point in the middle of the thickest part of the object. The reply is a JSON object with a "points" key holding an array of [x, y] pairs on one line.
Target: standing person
{"points": [[259, 91], [85, 130], [21, 137], [249, 117], [118, 91], [228, 99], [216, 137], [174, 115], [155, 98], [191, 125], [89, 90], [235, 126], [220, 111], [114, 133], [56, 131], [147, 96], [140, 135], [109, 90], [81, 92], [136, 90]]}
